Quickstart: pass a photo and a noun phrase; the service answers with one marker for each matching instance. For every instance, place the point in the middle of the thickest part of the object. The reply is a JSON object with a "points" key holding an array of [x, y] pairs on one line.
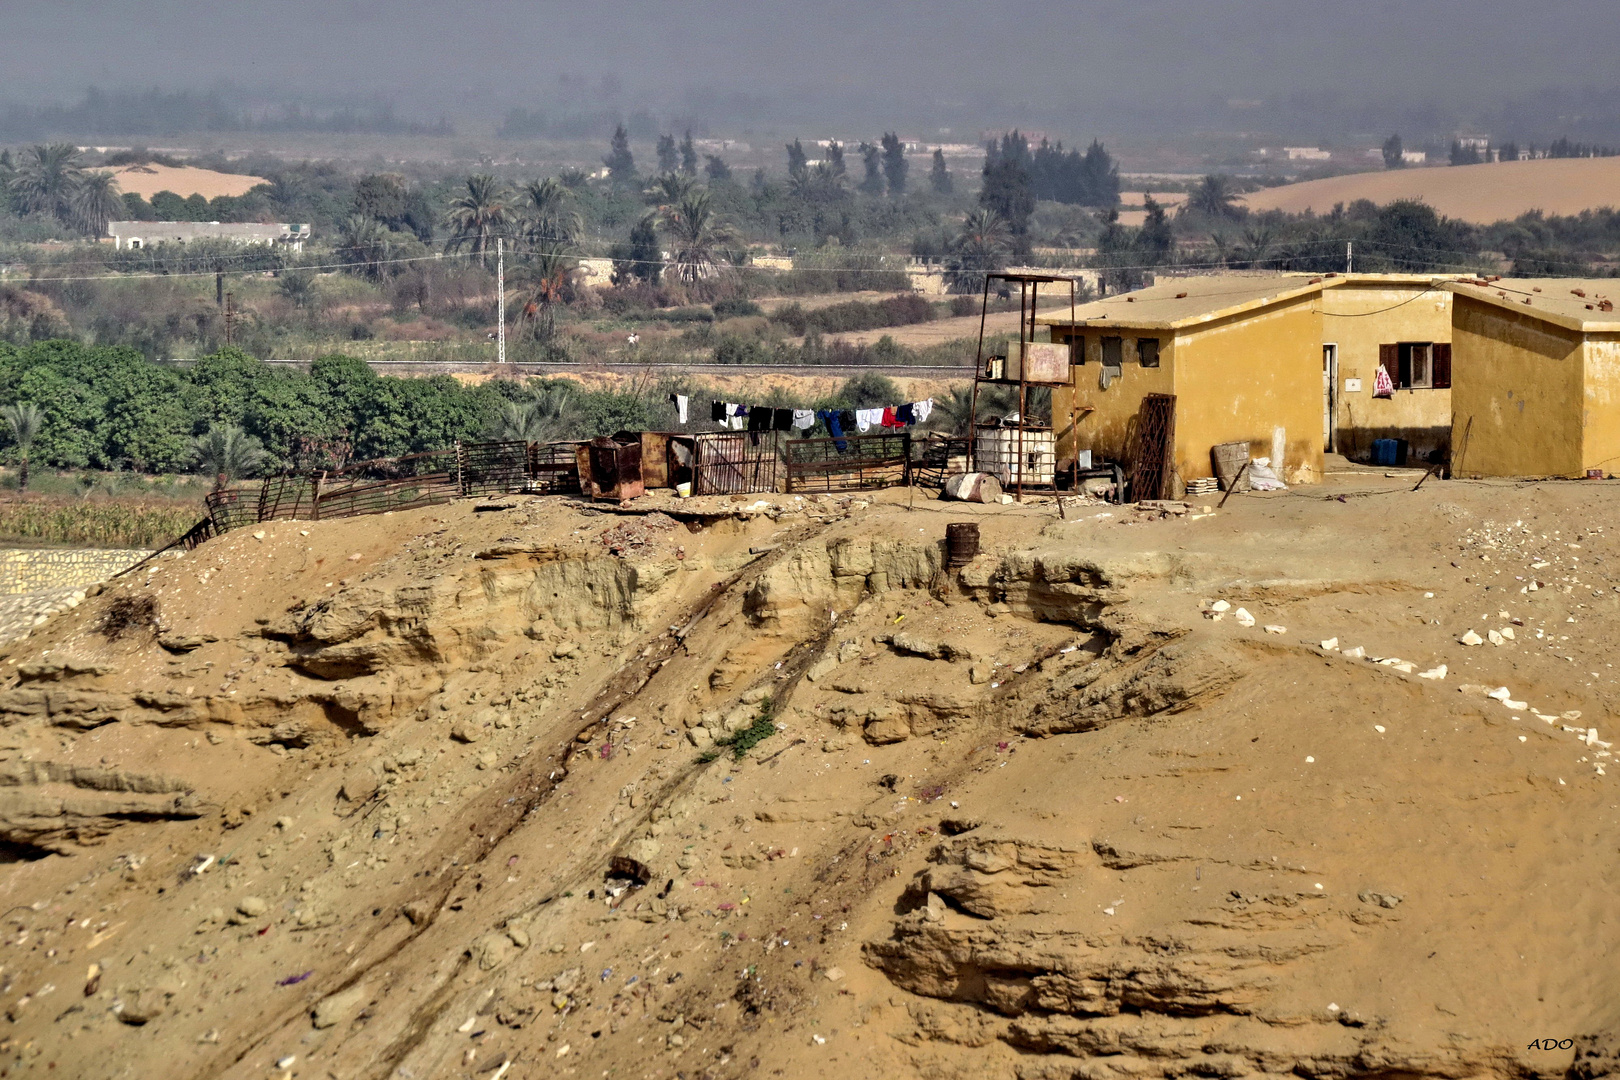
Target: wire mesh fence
{"points": [[851, 463]]}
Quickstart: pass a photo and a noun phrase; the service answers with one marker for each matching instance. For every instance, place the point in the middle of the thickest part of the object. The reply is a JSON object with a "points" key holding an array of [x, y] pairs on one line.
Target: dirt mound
{"points": [[764, 790]]}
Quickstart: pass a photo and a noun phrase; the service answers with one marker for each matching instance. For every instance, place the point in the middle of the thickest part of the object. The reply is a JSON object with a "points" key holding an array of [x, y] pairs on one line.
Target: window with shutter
{"points": [[1389, 358], [1442, 365], [1147, 351]]}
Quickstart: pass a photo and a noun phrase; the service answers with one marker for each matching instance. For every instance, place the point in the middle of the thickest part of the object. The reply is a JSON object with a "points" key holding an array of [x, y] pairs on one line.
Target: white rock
{"points": [[1471, 638], [1220, 605], [1243, 617], [1501, 693], [1493, 637], [1273, 628], [1331, 643], [1433, 673], [1516, 706], [1355, 654], [1507, 632]]}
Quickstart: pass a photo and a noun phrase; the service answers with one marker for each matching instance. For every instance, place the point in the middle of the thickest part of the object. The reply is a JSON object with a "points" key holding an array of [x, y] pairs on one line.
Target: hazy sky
{"points": [[1092, 64]]}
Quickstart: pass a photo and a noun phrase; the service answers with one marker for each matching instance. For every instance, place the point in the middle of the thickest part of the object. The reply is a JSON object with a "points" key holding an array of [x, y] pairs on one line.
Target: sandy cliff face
{"points": [[765, 791]]}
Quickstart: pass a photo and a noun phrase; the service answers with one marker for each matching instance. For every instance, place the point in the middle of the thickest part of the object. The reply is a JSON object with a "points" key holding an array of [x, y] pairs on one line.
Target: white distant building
{"points": [[140, 234], [1306, 153], [1415, 157]]}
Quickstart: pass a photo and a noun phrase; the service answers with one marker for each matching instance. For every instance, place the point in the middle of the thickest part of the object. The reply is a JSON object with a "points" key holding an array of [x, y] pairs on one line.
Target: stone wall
{"points": [[35, 570]]}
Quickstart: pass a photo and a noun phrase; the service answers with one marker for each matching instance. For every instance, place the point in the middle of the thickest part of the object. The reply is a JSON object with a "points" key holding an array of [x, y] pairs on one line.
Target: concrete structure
{"points": [[32, 570], [1401, 322], [1536, 383], [140, 234], [1283, 361]]}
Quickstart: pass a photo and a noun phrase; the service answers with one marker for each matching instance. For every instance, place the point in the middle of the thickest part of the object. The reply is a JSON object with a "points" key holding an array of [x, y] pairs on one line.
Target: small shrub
{"points": [[127, 613], [736, 307]]}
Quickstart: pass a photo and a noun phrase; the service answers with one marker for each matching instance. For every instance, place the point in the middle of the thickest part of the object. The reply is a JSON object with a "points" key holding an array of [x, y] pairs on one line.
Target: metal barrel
{"points": [[961, 544]]}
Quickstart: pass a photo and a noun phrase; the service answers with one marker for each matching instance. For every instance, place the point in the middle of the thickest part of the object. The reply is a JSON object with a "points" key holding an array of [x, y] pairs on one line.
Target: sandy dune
{"points": [[148, 180], [1476, 193]]}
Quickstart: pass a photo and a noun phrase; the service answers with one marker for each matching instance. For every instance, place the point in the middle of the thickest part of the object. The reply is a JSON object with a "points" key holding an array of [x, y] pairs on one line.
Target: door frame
{"points": [[1330, 404]]}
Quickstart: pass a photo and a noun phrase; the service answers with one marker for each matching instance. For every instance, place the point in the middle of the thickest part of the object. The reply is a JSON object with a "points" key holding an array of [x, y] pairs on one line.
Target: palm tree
{"points": [[696, 235], [24, 419], [47, 179], [544, 278], [668, 189], [980, 249], [97, 202], [229, 453], [362, 245], [1212, 197], [538, 420], [477, 216], [548, 213]]}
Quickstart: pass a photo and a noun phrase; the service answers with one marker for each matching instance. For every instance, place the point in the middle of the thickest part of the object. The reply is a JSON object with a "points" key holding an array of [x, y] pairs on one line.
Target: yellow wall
{"points": [[1358, 315], [1238, 378], [1106, 430], [1600, 420], [1519, 380], [1235, 379]]}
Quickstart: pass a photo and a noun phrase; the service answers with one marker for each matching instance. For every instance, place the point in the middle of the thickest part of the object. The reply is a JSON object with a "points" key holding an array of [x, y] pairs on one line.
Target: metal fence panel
{"points": [[851, 463]]}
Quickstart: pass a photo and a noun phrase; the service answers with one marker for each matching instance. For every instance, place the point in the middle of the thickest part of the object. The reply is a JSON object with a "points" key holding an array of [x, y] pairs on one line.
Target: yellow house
{"points": [[1402, 323], [1536, 390], [1285, 363]]}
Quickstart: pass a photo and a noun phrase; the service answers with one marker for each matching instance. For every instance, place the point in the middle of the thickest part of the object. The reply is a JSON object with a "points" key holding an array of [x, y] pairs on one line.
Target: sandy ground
{"points": [[148, 180], [1481, 194], [348, 807]]}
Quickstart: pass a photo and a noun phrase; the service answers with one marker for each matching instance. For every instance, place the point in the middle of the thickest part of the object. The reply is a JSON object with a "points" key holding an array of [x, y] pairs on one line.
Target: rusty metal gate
{"points": [[735, 463], [1155, 442]]}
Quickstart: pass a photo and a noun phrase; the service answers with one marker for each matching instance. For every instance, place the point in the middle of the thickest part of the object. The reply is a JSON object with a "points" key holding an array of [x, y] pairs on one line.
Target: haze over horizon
{"points": [[1150, 69]]}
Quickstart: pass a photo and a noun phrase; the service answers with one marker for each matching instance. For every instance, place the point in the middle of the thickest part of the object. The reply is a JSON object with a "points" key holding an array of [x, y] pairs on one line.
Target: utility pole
{"points": [[219, 287], [1349, 256], [230, 319], [500, 299]]}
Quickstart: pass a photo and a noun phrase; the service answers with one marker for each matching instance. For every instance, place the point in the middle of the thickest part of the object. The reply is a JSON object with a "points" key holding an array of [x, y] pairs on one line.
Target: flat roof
{"points": [[1180, 302], [1572, 303]]}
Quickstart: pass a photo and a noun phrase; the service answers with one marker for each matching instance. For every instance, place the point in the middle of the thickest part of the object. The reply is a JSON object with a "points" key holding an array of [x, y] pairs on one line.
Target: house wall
{"points": [[1600, 420], [1106, 430], [1239, 378], [1235, 380], [1519, 381], [1358, 316]]}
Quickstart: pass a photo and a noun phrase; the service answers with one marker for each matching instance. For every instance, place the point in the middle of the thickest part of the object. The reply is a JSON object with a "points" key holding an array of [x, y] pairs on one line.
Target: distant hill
{"points": [[148, 180], [1476, 193]]}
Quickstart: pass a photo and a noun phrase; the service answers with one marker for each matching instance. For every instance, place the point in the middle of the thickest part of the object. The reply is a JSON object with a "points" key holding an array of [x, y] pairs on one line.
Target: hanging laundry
{"points": [[680, 406], [831, 418], [888, 417], [803, 418], [781, 419], [1383, 385], [863, 420], [921, 409], [759, 419], [846, 417], [905, 416], [718, 411]]}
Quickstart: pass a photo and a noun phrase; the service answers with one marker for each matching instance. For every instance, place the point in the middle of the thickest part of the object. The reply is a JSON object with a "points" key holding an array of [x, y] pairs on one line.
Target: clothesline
{"points": [[758, 418]]}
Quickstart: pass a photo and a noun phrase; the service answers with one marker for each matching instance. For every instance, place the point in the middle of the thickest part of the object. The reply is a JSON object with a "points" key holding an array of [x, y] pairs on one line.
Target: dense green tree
{"points": [[895, 165], [1155, 240], [620, 162], [872, 163], [639, 258], [798, 162], [689, 154], [136, 208], [939, 177], [197, 208], [715, 168], [169, 207], [669, 157], [1007, 192], [1394, 153], [548, 214]]}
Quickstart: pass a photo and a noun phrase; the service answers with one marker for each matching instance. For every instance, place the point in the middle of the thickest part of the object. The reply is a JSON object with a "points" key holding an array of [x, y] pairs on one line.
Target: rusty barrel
{"points": [[961, 543]]}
